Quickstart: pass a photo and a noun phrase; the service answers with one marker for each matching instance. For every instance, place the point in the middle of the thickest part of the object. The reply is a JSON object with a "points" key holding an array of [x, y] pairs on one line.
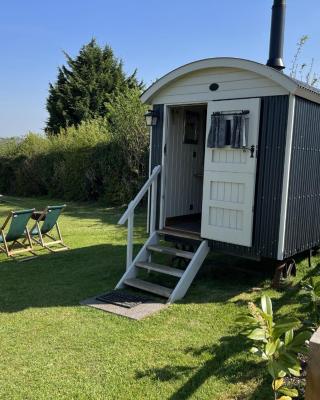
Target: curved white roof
{"points": [[291, 85]]}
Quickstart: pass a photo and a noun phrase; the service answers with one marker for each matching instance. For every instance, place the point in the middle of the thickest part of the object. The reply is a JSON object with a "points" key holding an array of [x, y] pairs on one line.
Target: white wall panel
{"points": [[233, 83]]}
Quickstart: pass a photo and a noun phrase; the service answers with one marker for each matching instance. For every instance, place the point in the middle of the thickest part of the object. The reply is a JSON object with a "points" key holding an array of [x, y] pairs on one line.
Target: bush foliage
{"points": [[102, 158], [85, 85]]}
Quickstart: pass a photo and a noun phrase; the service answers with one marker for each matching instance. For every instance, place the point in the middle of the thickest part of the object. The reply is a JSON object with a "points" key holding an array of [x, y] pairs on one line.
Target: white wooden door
{"points": [[229, 180]]}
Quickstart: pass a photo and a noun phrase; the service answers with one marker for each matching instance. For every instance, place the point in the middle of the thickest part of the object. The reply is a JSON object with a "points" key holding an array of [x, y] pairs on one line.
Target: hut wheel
{"points": [[284, 273]]}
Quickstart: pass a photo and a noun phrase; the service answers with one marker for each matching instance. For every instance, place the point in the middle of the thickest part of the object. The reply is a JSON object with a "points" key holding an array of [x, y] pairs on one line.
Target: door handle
{"points": [[252, 149]]}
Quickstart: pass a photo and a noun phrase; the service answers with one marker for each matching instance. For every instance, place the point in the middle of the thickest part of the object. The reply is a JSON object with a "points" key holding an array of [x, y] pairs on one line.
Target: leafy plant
{"points": [[312, 288], [303, 70], [276, 344]]}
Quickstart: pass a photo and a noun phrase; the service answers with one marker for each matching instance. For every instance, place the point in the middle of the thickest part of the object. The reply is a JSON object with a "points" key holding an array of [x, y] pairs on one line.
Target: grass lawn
{"points": [[53, 348]]}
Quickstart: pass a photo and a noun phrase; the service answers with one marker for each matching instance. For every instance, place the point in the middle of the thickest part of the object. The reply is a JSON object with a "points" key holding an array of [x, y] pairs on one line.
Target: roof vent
{"points": [[277, 35]]}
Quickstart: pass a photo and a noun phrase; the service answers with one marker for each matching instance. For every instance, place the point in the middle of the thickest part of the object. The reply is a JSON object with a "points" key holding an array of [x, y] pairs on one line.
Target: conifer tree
{"points": [[85, 85]]}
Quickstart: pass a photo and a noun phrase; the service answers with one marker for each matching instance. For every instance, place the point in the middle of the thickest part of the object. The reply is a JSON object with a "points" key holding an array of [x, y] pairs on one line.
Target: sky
{"points": [[152, 36]]}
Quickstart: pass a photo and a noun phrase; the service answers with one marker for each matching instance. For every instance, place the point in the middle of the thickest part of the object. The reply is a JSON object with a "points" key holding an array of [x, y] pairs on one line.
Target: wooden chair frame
{"points": [[54, 241], [9, 248]]}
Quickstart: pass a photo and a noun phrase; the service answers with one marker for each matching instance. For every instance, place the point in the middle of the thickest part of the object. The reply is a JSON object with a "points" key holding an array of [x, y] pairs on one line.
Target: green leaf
{"points": [[257, 334], [270, 349], [299, 340], [285, 398], [275, 369], [289, 392], [277, 383], [288, 360], [268, 318], [254, 350], [271, 369], [295, 371], [289, 364], [288, 337], [266, 305], [285, 325]]}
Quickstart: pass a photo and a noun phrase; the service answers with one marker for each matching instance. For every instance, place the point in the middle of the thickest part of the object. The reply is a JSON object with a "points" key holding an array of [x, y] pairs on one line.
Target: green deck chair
{"points": [[10, 242], [46, 222]]}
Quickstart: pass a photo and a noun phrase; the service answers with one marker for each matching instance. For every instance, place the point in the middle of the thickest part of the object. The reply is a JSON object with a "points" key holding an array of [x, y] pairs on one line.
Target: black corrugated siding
{"points": [[156, 150], [303, 212], [271, 154]]}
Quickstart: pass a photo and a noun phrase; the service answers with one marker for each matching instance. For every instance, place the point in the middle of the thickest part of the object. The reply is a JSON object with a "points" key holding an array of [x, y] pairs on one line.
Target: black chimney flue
{"points": [[277, 35]]}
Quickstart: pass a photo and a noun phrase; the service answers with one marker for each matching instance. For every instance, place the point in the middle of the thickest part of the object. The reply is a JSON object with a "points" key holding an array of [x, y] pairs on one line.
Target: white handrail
{"points": [[129, 213], [133, 204]]}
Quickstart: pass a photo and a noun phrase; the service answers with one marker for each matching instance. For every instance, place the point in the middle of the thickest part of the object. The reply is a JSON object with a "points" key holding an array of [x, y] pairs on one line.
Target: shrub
{"points": [[129, 147], [104, 158], [276, 343]]}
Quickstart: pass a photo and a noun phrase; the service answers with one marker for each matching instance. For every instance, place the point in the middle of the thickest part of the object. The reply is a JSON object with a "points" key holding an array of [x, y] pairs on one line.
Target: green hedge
{"points": [[92, 173], [96, 160]]}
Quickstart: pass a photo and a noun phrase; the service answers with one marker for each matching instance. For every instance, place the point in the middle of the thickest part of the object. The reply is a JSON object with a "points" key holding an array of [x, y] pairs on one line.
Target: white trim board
{"points": [[163, 167], [286, 177], [149, 172]]}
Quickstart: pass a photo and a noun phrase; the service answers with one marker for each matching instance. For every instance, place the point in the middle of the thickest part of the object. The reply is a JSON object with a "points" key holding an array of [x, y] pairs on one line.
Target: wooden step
{"points": [[149, 287], [171, 251], [163, 269], [180, 234]]}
